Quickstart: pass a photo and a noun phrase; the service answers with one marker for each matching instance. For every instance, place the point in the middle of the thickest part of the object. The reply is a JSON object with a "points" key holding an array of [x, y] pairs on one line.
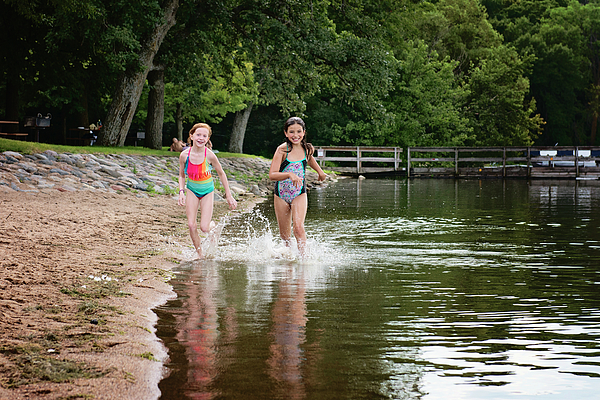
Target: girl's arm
{"points": [[274, 173], [314, 165], [214, 161], [181, 179]]}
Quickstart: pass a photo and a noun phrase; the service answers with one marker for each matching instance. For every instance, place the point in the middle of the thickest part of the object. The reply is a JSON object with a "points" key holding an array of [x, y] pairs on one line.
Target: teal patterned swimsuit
{"points": [[285, 189]]}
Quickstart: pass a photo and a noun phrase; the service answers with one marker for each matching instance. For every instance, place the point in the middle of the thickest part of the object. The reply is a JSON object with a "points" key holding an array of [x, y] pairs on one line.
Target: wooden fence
{"points": [[569, 162], [362, 159], [581, 162]]}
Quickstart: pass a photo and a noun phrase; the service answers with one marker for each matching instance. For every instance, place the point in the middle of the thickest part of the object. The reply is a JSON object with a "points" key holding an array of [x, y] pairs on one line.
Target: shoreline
{"points": [[82, 271]]}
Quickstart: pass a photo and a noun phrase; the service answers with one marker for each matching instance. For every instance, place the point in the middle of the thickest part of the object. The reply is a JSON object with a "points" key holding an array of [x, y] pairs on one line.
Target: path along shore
{"points": [[87, 243]]}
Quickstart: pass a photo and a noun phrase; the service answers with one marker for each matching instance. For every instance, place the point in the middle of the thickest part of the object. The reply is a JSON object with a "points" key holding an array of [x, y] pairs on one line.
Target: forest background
{"points": [[360, 72]]}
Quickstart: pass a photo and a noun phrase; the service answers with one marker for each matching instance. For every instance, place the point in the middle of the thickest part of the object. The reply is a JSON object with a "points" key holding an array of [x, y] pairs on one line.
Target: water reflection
{"points": [[287, 337], [198, 327], [414, 290]]}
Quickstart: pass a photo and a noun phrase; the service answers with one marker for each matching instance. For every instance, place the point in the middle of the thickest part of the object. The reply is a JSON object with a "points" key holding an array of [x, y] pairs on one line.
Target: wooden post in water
{"points": [[577, 161], [456, 162], [408, 162], [528, 162]]}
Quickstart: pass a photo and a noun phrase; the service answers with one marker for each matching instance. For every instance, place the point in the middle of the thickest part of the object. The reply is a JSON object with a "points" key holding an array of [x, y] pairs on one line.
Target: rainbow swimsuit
{"points": [[199, 178]]}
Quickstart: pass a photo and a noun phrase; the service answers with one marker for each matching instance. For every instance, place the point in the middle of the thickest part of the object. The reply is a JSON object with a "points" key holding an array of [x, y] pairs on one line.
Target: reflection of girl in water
{"points": [[289, 333], [200, 332]]}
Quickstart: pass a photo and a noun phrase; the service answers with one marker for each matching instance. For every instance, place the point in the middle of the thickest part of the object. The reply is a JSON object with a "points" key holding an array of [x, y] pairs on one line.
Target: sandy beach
{"points": [[81, 272]]}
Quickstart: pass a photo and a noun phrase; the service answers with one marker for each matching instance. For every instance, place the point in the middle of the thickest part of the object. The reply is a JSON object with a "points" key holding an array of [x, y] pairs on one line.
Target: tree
{"points": [[209, 94], [497, 102], [458, 29], [45, 66], [131, 82], [297, 52], [561, 36], [156, 107], [429, 102]]}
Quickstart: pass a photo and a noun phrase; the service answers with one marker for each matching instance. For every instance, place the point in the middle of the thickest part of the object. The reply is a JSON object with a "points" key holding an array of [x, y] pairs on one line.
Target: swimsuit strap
{"points": [[286, 158], [188, 156]]}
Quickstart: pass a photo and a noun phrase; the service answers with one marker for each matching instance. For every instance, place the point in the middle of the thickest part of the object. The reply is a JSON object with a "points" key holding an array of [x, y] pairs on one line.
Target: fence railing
{"points": [[363, 158], [539, 156], [500, 161]]}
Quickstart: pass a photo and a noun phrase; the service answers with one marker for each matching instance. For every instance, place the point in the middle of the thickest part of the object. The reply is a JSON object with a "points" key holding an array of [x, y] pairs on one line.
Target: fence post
{"points": [[528, 162], [395, 159], [321, 156], [504, 162], [408, 162], [358, 163], [456, 161], [577, 161]]}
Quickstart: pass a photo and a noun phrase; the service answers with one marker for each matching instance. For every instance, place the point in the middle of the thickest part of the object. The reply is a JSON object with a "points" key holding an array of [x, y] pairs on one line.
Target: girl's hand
{"points": [[322, 176], [181, 200], [232, 203], [295, 179]]}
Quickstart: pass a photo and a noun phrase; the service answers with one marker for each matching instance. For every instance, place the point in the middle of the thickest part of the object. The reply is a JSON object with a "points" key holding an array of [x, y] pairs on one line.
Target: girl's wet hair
{"points": [[200, 125], [308, 148]]}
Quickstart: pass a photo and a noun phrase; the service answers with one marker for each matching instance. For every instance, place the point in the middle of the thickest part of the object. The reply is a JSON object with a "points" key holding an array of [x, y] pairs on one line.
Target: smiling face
{"points": [[295, 133], [200, 136]]}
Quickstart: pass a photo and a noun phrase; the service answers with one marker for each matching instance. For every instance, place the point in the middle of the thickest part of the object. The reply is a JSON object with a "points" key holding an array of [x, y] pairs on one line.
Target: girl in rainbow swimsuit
{"points": [[288, 169], [196, 186]]}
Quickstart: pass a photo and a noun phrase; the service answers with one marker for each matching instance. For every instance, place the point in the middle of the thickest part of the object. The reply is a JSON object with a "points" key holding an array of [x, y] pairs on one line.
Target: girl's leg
{"points": [[284, 219], [299, 207], [206, 212], [191, 210]]}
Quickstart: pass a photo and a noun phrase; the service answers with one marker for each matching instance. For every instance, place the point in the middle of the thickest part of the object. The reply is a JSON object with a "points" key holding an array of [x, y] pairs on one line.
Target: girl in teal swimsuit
{"points": [[288, 169], [286, 189]]}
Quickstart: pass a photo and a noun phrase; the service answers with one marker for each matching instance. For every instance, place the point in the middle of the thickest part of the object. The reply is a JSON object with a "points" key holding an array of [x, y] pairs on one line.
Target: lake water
{"points": [[422, 289]]}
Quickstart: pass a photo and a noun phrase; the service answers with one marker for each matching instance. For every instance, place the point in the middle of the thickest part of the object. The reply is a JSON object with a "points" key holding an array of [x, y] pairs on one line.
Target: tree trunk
{"points": [[594, 129], [83, 119], [179, 121], [236, 141], [156, 108], [130, 85], [12, 101], [63, 133]]}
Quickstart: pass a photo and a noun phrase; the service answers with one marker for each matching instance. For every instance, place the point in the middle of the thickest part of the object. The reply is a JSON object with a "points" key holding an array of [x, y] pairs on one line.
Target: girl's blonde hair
{"points": [[200, 125]]}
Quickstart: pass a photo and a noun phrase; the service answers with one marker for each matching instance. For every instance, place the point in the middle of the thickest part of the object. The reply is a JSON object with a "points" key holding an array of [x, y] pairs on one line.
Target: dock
{"points": [[361, 159], [534, 162]]}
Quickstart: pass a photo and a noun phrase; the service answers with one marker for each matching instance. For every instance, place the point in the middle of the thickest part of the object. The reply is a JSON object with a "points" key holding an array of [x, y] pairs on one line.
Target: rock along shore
{"points": [[144, 175]]}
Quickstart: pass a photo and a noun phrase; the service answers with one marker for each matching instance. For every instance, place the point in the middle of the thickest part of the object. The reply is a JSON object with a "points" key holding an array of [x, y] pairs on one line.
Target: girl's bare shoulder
{"points": [[211, 156]]}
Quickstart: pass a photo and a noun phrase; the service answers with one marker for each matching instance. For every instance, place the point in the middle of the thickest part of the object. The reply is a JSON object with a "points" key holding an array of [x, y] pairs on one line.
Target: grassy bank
{"points": [[34, 147]]}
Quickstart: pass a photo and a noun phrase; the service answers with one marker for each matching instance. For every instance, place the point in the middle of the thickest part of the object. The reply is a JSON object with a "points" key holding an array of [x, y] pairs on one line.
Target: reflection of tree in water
{"points": [[288, 335], [200, 330]]}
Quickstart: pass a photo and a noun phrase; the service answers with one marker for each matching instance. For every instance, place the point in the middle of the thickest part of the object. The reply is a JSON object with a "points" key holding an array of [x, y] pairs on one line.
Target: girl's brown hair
{"points": [[200, 125], [308, 148]]}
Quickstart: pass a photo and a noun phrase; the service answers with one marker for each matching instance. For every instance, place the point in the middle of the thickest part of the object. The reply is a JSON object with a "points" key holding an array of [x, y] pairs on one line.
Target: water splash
{"points": [[250, 237]]}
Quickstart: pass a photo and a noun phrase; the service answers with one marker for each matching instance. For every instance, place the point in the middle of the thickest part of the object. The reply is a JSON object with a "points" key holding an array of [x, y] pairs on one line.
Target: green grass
{"points": [[95, 290], [148, 356], [33, 366], [34, 147]]}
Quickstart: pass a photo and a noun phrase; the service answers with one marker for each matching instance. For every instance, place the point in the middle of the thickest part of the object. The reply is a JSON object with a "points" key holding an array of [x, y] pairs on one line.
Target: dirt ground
{"points": [[79, 274]]}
